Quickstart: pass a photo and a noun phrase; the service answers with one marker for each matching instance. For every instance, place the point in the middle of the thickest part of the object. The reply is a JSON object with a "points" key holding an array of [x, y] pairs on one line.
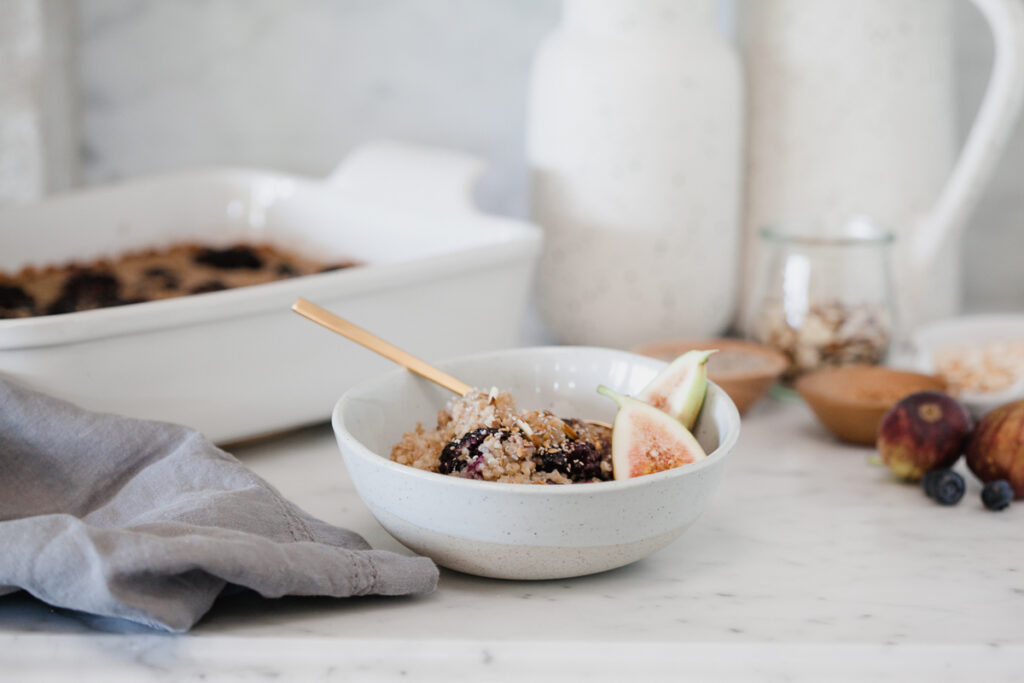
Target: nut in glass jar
{"points": [[824, 301]]}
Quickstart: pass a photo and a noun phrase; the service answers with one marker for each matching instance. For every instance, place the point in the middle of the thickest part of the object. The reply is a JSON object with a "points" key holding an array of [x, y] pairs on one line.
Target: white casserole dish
{"points": [[440, 279]]}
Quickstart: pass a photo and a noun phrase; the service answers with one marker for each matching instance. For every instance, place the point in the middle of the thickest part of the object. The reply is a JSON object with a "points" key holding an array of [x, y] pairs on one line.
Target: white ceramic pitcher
{"points": [[634, 145], [850, 111]]}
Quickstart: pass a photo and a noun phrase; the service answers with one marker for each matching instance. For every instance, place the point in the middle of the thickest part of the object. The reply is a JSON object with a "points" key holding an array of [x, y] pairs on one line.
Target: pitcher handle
{"points": [[992, 126]]}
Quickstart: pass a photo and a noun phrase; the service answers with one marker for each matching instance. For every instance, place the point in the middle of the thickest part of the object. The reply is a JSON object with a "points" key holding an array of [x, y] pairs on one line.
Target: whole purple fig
{"points": [[923, 431]]}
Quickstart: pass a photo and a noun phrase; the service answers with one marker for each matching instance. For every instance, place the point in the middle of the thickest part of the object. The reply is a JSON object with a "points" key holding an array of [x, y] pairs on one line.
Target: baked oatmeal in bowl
{"points": [[559, 516], [484, 436]]}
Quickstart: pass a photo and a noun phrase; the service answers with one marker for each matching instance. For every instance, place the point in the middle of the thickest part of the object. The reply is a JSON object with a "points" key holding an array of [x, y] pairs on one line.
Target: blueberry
{"points": [[232, 258], [997, 494], [62, 304], [944, 486], [459, 452], [14, 300], [928, 482], [86, 289], [578, 460]]}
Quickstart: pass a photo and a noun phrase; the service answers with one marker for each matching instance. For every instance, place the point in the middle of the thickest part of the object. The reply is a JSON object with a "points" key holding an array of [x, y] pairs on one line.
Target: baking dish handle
{"points": [[411, 176]]}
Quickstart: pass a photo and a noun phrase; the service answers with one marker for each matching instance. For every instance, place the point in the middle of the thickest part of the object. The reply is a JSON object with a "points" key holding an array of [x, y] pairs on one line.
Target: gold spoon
{"points": [[337, 324]]}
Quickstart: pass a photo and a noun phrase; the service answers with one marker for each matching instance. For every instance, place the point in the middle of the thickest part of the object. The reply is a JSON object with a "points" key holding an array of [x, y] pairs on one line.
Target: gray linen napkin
{"points": [[149, 521]]}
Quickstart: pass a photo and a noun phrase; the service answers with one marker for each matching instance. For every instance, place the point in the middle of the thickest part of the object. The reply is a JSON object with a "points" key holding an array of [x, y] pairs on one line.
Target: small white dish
{"points": [[523, 531], [975, 331]]}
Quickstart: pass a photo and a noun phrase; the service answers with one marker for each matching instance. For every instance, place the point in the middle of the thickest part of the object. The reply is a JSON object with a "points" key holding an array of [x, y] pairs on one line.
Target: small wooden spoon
{"points": [[335, 323], [357, 334]]}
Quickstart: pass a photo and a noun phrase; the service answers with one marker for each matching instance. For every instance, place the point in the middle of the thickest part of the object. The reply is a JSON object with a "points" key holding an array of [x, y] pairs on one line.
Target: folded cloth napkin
{"points": [[149, 521]]}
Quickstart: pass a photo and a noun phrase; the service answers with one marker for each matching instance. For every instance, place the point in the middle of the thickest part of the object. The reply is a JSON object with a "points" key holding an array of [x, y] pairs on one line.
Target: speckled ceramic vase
{"points": [[634, 144], [850, 112]]}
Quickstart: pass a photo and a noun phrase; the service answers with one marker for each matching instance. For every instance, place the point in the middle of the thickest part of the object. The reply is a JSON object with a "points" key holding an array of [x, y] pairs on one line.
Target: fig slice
{"points": [[646, 440], [679, 389]]}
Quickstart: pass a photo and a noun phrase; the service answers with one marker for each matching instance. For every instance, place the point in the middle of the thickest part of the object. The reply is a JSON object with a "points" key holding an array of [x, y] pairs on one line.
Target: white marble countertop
{"points": [[811, 564]]}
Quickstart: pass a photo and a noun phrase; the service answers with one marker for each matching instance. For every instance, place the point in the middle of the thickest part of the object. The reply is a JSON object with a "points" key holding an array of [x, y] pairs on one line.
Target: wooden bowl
{"points": [[745, 370], [851, 400]]}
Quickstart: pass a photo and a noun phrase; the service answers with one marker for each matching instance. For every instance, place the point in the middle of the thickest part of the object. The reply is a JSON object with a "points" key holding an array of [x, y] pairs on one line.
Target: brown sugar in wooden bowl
{"points": [[745, 370], [851, 400]]}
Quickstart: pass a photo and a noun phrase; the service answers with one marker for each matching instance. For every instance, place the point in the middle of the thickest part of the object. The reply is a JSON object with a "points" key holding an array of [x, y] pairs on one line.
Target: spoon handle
{"points": [[322, 316]]}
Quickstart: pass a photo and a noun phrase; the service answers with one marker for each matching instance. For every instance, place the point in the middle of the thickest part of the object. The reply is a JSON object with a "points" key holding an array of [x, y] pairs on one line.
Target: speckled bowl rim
{"points": [[727, 440]]}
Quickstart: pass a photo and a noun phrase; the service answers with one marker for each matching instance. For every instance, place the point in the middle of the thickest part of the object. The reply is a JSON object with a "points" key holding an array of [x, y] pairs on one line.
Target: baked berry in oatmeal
{"points": [[178, 270], [482, 435]]}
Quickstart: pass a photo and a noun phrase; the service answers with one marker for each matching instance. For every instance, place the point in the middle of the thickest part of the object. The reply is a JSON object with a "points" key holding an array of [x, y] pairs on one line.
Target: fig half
{"points": [[680, 388], [646, 440]]}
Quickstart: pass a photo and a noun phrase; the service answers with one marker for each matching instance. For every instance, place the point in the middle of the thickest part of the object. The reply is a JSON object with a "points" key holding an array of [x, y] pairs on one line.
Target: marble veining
{"points": [[809, 562]]}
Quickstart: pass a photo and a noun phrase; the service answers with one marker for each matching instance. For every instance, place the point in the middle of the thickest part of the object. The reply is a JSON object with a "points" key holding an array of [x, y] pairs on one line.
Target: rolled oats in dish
{"points": [[996, 366], [482, 435]]}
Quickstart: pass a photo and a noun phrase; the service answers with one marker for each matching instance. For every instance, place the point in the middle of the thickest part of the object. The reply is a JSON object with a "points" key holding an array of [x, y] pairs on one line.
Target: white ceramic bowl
{"points": [[522, 531], [973, 331]]}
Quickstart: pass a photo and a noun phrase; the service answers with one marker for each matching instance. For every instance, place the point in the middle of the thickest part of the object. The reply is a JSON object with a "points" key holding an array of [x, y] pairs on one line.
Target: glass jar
{"points": [[824, 300]]}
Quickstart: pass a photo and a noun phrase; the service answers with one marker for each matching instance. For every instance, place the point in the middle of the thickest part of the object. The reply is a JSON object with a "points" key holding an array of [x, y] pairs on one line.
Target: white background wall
{"points": [[294, 85]]}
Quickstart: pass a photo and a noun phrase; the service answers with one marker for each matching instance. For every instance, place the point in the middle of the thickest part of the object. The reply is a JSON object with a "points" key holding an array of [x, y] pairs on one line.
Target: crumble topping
{"points": [[148, 275], [482, 435]]}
